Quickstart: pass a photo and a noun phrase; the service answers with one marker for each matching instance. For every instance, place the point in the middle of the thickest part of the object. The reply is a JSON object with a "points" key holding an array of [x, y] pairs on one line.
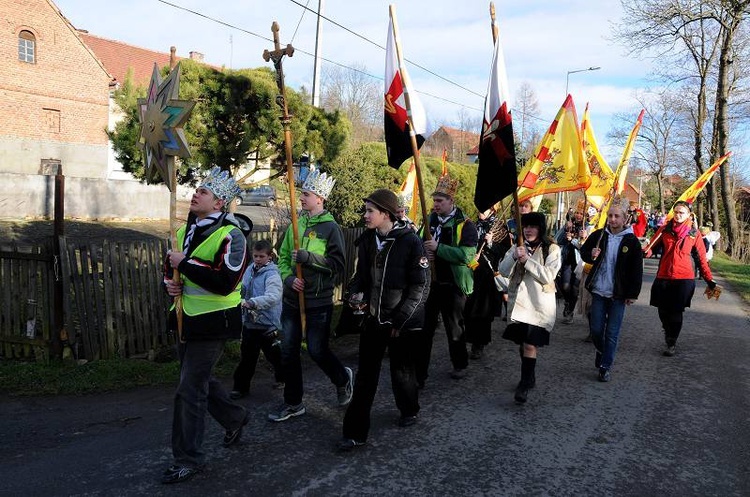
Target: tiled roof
{"points": [[457, 134], [117, 57], [473, 151]]}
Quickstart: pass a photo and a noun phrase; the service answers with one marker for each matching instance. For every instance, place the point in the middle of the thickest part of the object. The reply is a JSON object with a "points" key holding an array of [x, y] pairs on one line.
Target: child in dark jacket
{"points": [[261, 312], [614, 282], [392, 283]]}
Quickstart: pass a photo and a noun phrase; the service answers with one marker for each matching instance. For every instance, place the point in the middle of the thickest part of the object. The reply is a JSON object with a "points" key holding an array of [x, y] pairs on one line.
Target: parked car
{"points": [[258, 195]]}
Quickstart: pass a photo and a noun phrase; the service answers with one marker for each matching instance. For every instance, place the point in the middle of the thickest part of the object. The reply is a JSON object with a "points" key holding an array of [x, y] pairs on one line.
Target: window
{"points": [[26, 47], [52, 120]]}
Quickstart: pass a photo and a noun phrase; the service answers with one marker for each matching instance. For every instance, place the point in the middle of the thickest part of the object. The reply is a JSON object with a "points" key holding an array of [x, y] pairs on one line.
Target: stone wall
{"points": [[32, 196]]}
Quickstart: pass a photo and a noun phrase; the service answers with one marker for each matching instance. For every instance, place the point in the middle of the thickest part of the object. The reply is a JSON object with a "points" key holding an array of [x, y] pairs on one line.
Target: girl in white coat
{"points": [[532, 269]]}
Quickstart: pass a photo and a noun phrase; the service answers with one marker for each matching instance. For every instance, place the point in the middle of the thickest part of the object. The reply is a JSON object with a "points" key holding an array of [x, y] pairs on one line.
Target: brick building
{"points": [[457, 143], [54, 108], [55, 94]]}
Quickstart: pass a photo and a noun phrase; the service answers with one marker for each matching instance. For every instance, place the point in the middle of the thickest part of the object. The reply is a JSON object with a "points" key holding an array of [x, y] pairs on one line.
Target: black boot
{"points": [[521, 393], [528, 379], [476, 351]]}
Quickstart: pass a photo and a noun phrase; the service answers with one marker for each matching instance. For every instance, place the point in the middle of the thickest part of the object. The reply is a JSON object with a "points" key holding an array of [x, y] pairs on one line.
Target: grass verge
{"points": [[18, 378], [64, 378], [734, 272]]}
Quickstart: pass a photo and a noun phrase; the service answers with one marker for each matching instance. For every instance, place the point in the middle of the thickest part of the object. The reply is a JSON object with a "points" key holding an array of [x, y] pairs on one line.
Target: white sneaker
{"points": [[345, 393]]}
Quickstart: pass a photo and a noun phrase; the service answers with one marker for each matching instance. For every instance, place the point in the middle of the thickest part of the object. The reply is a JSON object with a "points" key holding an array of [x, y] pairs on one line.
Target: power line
{"points": [[343, 66], [383, 48], [299, 22]]}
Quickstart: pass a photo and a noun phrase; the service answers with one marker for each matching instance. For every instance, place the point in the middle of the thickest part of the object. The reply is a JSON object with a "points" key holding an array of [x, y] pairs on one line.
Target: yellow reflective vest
{"points": [[195, 299]]}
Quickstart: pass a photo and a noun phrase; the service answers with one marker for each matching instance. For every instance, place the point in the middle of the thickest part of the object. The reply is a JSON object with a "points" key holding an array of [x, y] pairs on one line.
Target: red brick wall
{"points": [[64, 95]]}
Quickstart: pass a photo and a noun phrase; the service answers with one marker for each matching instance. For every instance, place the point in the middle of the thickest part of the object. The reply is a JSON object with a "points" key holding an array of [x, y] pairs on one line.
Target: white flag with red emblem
{"points": [[397, 127]]}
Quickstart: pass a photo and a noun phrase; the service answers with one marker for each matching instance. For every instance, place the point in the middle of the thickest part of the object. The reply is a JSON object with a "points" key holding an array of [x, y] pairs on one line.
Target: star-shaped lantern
{"points": [[162, 116]]}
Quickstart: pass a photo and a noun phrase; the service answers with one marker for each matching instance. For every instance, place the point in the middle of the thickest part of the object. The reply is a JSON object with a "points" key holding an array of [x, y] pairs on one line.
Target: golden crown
{"points": [[446, 186], [318, 183]]}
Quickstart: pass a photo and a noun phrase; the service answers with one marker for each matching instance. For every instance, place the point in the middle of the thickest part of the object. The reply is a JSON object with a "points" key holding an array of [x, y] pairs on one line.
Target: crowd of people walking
{"points": [[454, 270]]}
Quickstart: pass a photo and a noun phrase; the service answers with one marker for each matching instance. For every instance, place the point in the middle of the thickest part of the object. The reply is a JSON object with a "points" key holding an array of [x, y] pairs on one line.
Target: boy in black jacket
{"points": [[614, 282], [393, 281]]}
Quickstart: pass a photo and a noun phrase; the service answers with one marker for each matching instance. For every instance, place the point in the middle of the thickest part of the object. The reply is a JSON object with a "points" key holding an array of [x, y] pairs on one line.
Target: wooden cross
{"points": [[276, 56]]}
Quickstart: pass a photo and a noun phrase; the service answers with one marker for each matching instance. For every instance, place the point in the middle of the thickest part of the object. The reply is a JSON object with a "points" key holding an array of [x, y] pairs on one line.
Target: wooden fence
{"points": [[113, 296], [113, 300], [28, 277]]}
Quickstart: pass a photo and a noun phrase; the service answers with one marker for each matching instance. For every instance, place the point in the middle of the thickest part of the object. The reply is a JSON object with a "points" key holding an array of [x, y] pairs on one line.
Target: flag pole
{"points": [[516, 210], [177, 300], [410, 122], [493, 23]]}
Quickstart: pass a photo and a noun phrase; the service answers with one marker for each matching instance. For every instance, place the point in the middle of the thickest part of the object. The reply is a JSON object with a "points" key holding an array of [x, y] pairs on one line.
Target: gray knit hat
{"points": [[385, 199]]}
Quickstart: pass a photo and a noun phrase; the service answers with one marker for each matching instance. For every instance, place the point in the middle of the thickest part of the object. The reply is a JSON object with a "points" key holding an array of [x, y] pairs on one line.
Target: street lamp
{"points": [[560, 201], [567, 76]]}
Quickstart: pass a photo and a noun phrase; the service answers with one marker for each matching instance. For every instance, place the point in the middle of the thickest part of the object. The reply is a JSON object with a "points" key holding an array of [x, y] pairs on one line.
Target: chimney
{"points": [[196, 56], [172, 57]]}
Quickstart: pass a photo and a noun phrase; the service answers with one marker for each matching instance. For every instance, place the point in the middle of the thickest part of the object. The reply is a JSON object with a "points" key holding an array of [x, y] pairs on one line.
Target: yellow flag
{"points": [[602, 177], [622, 170], [409, 191], [558, 163], [692, 193]]}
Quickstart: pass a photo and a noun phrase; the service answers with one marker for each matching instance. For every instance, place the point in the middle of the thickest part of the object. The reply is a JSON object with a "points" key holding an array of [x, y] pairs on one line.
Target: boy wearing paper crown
{"points": [[452, 246], [321, 255], [211, 257]]}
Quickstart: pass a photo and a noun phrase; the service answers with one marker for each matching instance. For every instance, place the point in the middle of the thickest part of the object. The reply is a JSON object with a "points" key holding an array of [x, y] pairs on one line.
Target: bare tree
{"points": [[659, 146], [731, 15], [525, 119], [698, 40], [468, 122], [360, 97]]}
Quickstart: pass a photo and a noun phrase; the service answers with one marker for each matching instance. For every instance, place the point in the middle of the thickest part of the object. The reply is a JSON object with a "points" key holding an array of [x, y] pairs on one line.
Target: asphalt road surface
{"points": [[662, 427], [260, 215]]}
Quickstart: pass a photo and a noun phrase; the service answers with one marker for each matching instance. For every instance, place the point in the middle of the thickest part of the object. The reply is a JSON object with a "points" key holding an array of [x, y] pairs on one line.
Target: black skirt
{"points": [[672, 295], [521, 333]]}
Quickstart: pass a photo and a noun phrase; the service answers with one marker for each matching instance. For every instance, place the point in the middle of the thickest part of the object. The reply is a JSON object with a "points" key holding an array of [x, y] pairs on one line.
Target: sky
{"points": [[543, 41]]}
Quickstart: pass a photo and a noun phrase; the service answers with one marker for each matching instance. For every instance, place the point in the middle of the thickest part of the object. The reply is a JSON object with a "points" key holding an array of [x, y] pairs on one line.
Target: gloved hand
{"points": [[300, 256], [713, 291]]}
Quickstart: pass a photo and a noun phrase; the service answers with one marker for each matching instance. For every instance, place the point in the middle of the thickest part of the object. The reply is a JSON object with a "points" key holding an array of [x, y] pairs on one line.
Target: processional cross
{"points": [[277, 56]]}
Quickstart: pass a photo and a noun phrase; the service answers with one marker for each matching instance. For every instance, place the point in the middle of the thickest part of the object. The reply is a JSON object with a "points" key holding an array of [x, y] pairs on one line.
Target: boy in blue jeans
{"points": [[261, 312]]}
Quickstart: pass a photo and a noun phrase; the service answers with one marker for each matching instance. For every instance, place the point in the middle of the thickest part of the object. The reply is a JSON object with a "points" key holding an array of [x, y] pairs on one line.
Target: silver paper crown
{"points": [[405, 200], [318, 183], [221, 184]]}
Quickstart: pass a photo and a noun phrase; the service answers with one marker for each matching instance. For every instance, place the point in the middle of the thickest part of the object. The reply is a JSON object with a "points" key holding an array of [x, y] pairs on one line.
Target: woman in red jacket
{"points": [[674, 285]]}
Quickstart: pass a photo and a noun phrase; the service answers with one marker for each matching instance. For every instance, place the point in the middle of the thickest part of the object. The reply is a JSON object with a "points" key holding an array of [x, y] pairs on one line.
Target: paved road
{"points": [[260, 215], [663, 426]]}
